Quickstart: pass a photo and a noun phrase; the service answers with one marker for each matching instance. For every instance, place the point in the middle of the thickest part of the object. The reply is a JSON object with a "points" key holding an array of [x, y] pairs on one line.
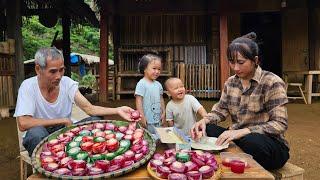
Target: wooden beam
{"points": [[66, 23], [224, 67], [103, 67]]}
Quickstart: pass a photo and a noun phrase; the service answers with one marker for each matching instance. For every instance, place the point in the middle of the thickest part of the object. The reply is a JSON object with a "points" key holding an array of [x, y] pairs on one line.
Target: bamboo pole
{"points": [[10, 91], [183, 72]]}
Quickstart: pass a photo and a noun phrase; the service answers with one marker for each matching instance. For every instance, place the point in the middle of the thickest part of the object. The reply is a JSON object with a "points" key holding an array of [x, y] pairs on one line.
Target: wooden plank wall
{"points": [[7, 96], [317, 44], [7, 91], [186, 36], [295, 40]]}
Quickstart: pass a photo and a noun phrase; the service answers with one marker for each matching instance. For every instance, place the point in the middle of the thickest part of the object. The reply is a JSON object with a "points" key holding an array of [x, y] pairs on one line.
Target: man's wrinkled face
{"points": [[52, 74]]}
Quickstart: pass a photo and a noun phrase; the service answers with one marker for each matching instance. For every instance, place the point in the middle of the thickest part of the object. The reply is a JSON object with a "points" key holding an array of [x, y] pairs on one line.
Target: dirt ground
{"points": [[303, 135]]}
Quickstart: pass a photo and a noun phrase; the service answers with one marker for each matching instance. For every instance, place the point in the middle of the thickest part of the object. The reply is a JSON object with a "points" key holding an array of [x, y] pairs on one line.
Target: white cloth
{"points": [[31, 102], [184, 114]]}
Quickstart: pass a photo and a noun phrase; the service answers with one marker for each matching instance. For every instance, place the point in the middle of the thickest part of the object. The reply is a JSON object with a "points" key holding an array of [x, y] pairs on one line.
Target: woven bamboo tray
{"points": [[35, 158]]}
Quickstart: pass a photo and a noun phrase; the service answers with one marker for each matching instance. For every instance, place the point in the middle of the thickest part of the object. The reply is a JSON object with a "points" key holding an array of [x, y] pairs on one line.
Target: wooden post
{"points": [[311, 34], [103, 67], [224, 67], [66, 23]]}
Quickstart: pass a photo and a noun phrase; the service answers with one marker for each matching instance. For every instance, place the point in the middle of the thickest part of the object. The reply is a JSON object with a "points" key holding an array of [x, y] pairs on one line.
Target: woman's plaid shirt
{"points": [[261, 107]]}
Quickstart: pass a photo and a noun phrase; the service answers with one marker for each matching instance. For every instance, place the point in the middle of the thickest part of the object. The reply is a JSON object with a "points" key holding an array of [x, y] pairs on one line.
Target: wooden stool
{"points": [[299, 85], [288, 172], [25, 160]]}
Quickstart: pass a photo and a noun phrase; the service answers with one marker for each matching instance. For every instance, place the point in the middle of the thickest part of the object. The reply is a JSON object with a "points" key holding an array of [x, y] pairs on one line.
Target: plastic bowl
{"points": [[227, 157]]}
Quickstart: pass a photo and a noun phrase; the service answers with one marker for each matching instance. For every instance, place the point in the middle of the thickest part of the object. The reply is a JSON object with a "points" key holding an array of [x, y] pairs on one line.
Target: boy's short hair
{"points": [[166, 84]]}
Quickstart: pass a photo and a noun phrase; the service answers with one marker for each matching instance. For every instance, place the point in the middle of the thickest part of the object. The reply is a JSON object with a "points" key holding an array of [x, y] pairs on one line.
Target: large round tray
{"points": [[216, 176], [35, 158]]}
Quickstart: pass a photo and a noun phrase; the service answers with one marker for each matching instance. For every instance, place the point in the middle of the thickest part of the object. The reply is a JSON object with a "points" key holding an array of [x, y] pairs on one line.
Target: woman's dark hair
{"points": [[145, 60], [245, 45]]}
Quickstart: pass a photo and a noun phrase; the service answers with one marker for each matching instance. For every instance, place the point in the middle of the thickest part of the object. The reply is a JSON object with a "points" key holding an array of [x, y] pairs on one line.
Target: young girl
{"points": [[148, 93]]}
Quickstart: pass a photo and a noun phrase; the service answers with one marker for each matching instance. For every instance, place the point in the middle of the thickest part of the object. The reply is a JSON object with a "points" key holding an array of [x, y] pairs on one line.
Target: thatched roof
{"points": [[78, 10], [87, 58]]}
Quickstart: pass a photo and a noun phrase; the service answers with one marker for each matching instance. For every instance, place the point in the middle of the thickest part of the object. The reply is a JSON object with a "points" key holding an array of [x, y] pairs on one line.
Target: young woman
{"points": [[255, 99]]}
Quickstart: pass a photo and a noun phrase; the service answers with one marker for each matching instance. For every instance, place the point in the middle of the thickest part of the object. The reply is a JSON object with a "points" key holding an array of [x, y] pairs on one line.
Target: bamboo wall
{"points": [[199, 80], [163, 29], [129, 59]]}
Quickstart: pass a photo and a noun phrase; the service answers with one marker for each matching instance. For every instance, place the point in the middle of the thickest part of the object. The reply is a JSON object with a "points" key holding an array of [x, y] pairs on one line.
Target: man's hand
{"points": [[125, 113], [231, 135], [67, 122], [199, 129]]}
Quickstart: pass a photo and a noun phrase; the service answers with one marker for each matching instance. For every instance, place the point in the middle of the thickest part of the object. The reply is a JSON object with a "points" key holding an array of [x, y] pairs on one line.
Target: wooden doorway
{"points": [[267, 26]]}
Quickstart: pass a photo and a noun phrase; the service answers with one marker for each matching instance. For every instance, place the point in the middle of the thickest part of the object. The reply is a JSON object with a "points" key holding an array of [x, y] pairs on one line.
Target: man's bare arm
{"points": [[93, 110], [27, 122]]}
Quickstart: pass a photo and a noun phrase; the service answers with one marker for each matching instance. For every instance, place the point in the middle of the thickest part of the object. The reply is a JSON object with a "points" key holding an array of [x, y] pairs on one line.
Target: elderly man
{"points": [[45, 101]]}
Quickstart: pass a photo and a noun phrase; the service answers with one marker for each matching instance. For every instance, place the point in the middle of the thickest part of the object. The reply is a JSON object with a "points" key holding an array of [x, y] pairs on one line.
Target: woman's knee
{"points": [[213, 130], [265, 150], [255, 143]]}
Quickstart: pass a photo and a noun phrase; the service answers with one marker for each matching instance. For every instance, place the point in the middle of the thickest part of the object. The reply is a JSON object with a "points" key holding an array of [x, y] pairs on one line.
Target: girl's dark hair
{"points": [[245, 45], [145, 60]]}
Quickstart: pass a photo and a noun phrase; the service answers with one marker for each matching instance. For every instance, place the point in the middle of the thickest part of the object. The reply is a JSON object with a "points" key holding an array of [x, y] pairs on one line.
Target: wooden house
{"points": [[193, 36]]}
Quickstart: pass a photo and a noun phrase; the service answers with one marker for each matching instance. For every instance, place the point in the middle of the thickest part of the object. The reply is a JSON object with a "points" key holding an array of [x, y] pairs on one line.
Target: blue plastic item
{"points": [[74, 59]]}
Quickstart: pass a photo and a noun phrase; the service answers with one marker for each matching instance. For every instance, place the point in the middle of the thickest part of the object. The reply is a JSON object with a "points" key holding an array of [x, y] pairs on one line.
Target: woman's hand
{"points": [[125, 113], [231, 135], [199, 129]]}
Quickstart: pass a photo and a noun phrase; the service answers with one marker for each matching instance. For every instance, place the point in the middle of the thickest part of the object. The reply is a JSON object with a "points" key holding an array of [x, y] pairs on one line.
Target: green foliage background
{"points": [[84, 38]]}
